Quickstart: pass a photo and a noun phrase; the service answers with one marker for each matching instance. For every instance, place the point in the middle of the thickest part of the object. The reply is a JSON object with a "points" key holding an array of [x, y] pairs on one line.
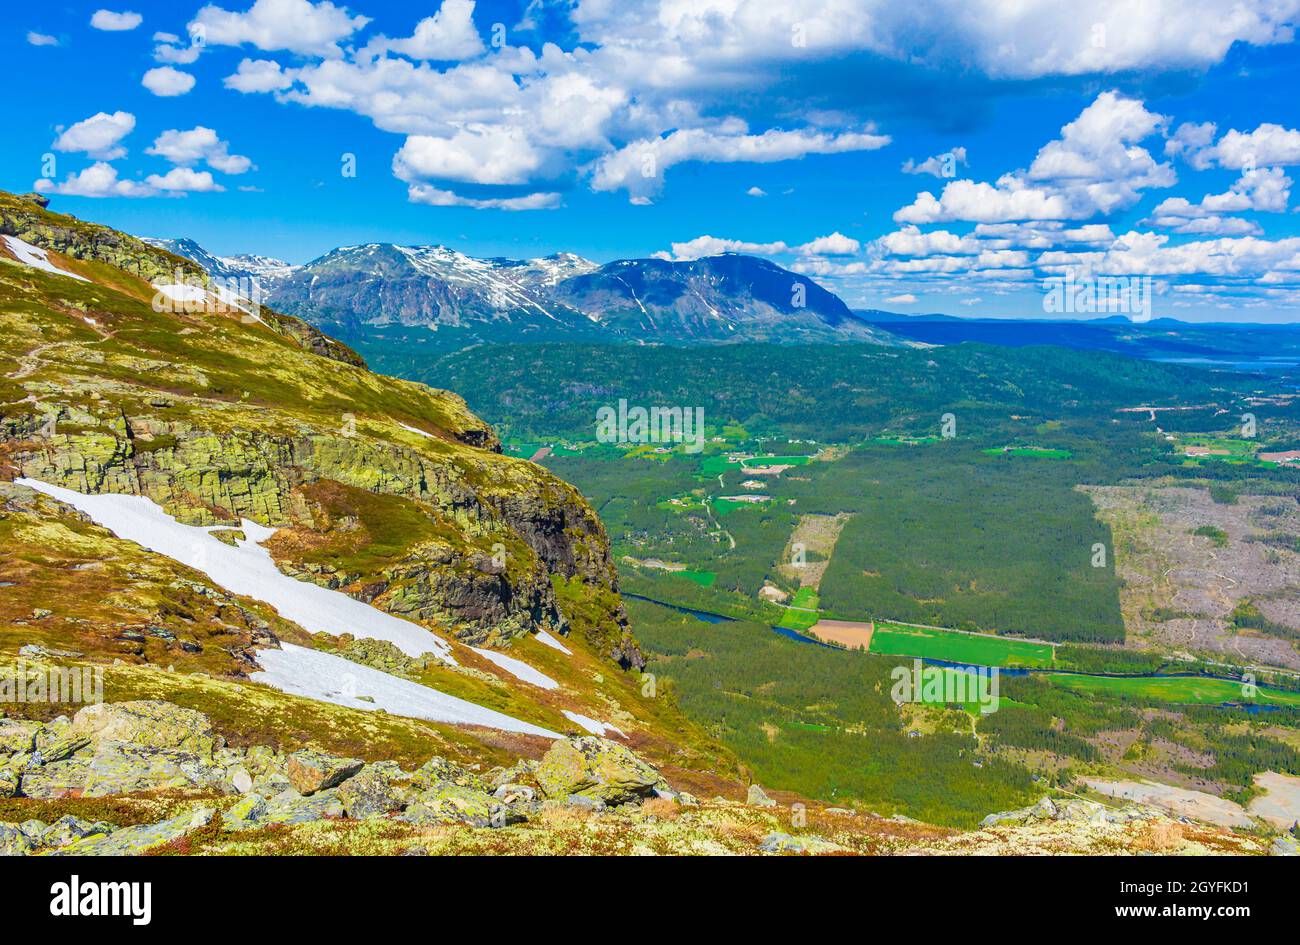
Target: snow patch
{"points": [[36, 258], [247, 569], [591, 725], [517, 668], [553, 643], [329, 678]]}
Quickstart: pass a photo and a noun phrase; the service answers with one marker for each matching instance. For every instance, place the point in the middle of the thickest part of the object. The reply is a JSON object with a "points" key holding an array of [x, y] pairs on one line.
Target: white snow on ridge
{"points": [[416, 430], [553, 643], [36, 258], [517, 668], [247, 569], [329, 678], [591, 725]]}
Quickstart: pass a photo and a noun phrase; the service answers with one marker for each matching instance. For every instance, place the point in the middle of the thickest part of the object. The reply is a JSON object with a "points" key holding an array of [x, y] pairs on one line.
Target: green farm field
{"points": [[1188, 690], [901, 640]]}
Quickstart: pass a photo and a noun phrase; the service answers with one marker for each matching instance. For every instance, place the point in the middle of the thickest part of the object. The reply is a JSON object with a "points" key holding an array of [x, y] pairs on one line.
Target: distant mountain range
{"points": [[360, 292]]}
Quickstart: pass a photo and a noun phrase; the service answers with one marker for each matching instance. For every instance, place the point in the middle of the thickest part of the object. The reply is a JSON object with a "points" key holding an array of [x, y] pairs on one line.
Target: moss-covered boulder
{"points": [[312, 771], [148, 725], [595, 768]]}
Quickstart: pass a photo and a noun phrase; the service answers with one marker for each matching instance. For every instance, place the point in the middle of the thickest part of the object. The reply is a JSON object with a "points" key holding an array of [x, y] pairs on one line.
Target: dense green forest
{"points": [[820, 721]]}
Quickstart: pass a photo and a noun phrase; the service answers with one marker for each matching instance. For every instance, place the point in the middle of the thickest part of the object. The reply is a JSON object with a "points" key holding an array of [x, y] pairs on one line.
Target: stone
{"points": [[1284, 846], [512, 793], [17, 736], [582, 802], [244, 813], [59, 779], [35, 829], [1045, 809], [323, 805], [240, 779], [439, 770], [149, 724], [312, 771], [13, 842], [595, 768], [119, 768], [371, 792], [757, 797], [132, 841], [272, 784], [448, 803], [68, 829], [786, 843], [60, 749]]}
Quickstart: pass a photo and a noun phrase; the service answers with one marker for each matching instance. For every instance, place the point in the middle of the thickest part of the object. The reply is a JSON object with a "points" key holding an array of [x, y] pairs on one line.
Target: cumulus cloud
{"points": [[298, 26], [833, 244], [639, 166], [167, 82], [101, 180], [199, 144], [1096, 167], [941, 165], [447, 35], [436, 197], [1266, 146], [259, 75], [756, 192], [907, 298], [836, 244], [480, 154], [98, 136], [115, 22], [41, 39]]}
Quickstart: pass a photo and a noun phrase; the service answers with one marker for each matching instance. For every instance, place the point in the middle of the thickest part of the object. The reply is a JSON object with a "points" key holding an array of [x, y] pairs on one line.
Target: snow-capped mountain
{"points": [[355, 290]]}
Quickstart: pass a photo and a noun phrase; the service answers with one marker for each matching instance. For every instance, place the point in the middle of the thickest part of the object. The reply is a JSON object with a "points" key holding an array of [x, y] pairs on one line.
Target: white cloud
{"points": [[756, 192], [447, 35], [1191, 142], [979, 202], [41, 39], [259, 75], [436, 197], [115, 22], [941, 165], [299, 26], [907, 298], [101, 180], [167, 82], [98, 180], [184, 180], [1095, 167], [480, 154], [1268, 145], [836, 244], [199, 144], [639, 166], [1266, 190], [98, 136], [703, 246]]}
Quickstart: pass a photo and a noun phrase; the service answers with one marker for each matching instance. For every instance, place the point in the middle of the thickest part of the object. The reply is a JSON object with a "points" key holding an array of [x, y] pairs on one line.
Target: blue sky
{"points": [[1096, 139]]}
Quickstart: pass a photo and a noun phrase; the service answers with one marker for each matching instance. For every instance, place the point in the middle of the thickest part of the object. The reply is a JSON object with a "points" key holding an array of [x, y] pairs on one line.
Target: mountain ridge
{"points": [[356, 290]]}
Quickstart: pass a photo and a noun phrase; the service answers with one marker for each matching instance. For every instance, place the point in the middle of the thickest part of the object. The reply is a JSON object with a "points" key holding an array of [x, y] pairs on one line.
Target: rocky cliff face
{"points": [[218, 417]]}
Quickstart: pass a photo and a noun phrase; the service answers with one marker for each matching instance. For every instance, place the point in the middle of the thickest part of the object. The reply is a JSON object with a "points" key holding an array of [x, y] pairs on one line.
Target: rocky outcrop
{"points": [[598, 769]]}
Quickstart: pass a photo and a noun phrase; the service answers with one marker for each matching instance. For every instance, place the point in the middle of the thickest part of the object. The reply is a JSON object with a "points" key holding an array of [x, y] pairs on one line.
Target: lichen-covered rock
{"points": [[17, 736], [436, 771], [13, 842], [132, 841], [758, 797], [312, 771], [449, 803], [244, 814], [68, 829], [786, 843], [1285, 846], [123, 768], [151, 724], [323, 805], [373, 792], [59, 779], [595, 768]]}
